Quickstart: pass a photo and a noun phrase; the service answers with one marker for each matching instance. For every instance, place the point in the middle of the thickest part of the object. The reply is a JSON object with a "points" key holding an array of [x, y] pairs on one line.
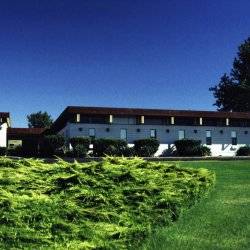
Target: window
{"points": [[216, 122], [93, 119], [152, 133], [124, 120], [234, 137], [181, 134], [92, 132], [208, 137], [123, 134], [186, 121], [151, 120]]}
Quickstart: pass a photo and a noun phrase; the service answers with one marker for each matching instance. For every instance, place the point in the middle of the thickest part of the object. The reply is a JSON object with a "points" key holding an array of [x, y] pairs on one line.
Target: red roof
{"points": [[25, 131]]}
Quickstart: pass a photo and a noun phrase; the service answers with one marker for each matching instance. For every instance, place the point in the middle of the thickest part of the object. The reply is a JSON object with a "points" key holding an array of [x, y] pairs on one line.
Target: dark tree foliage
{"points": [[146, 147], [233, 91], [39, 120], [52, 145]]}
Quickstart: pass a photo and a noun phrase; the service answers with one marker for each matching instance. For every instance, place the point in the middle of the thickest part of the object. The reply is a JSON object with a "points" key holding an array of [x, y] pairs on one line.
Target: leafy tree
{"points": [[233, 91], [39, 120]]}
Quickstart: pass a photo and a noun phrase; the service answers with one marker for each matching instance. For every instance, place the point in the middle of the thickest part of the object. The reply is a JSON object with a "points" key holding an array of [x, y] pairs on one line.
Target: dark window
{"points": [[181, 134], [234, 138], [93, 119], [123, 134], [239, 123], [216, 122], [151, 120], [234, 141], [92, 132], [153, 133], [209, 140], [124, 120], [186, 121], [208, 137]]}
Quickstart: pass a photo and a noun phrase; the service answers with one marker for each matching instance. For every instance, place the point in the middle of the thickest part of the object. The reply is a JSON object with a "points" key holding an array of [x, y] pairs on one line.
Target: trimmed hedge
{"points": [[146, 147], [103, 146], [188, 147], [243, 151]]}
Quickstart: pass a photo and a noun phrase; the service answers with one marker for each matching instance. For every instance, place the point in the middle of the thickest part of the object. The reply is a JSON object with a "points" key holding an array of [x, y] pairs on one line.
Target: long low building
{"points": [[222, 132]]}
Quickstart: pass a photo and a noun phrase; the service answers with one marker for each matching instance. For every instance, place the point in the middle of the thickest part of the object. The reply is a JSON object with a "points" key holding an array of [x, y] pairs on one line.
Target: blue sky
{"points": [[124, 53]]}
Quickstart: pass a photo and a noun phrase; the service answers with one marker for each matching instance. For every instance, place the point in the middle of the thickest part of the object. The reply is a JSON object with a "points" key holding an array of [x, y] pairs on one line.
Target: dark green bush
{"points": [[146, 147], [80, 150], [243, 151], [188, 147], [80, 146], [168, 152], [203, 151], [16, 151], [85, 141], [102, 147], [51, 145], [3, 151]]}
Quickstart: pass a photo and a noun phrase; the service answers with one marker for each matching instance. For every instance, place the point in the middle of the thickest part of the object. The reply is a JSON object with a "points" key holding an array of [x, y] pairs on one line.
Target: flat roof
{"points": [[154, 112], [86, 110]]}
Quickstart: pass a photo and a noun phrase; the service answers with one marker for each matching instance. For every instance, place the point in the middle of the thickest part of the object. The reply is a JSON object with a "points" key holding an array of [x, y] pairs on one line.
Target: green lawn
{"points": [[221, 221]]}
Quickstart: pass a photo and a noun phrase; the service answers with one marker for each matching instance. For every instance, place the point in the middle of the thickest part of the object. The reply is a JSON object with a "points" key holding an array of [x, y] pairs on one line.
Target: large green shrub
{"points": [[51, 145], [80, 146], [113, 204], [188, 147], [146, 147], [243, 151], [103, 146]]}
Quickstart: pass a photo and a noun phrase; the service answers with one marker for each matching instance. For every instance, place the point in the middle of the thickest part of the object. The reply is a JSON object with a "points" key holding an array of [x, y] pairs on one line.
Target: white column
{"points": [[78, 118], [201, 121], [172, 120], [142, 119], [110, 118]]}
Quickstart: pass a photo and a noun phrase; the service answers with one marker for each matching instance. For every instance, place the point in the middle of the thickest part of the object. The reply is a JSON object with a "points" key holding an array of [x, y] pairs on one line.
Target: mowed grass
{"points": [[221, 221]]}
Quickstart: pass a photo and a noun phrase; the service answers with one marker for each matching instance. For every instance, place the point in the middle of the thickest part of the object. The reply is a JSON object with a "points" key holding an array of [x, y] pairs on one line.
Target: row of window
{"points": [[152, 120], [181, 135]]}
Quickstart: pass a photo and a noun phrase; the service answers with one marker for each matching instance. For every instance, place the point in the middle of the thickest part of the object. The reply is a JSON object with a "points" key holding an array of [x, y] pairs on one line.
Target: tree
{"points": [[233, 91], [39, 120]]}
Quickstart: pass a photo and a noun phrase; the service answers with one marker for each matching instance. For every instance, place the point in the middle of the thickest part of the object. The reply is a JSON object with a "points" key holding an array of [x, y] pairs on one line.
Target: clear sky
{"points": [[124, 53]]}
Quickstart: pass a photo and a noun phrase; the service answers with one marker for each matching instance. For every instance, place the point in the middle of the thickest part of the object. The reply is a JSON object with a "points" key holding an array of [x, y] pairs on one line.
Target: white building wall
{"points": [[221, 142], [3, 135]]}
